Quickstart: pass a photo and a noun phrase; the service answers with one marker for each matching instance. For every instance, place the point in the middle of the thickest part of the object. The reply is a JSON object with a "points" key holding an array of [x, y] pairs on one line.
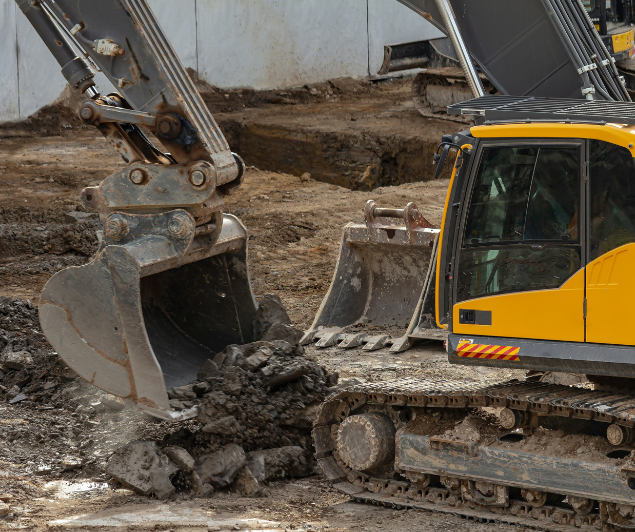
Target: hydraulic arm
{"points": [[169, 286]]}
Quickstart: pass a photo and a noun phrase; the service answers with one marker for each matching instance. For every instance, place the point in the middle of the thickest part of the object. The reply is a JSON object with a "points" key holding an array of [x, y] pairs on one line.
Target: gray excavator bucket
{"points": [[146, 313], [383, 288]]}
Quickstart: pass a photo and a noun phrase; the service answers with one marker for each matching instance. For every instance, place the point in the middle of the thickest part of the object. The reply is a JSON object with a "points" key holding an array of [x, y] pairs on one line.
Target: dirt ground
{"points": [[295, 225]]}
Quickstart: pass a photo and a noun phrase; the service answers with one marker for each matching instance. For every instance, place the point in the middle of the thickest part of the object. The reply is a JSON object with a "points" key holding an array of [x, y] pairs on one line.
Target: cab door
{"points": [[520, 267], [610, 279]]}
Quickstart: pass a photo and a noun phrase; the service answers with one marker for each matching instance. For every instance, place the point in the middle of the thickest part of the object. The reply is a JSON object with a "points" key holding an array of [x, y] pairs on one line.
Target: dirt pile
{"points": [[256, 405]]}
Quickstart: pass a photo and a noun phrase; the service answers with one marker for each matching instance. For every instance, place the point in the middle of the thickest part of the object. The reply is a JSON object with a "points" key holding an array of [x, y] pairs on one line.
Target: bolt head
{"points": [[86, 113], [116, 227], [615, 435], [507, 418], [137, 176], [179, 225], [197, 178]]}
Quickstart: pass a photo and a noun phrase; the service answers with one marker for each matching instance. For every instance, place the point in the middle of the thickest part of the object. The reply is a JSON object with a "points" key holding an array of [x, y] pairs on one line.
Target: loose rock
{"points": [[180, 457], [139, 466], [17, 360], [221, 468], [246, 483], [270, 311]]}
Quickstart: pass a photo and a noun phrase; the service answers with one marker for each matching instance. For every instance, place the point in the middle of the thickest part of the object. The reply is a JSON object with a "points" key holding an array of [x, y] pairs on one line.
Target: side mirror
{"points": [[440, 159]]}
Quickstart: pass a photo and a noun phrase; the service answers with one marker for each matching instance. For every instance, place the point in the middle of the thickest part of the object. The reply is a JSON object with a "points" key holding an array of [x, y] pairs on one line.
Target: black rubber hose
{"points": [[613, 85], [576, 40]]}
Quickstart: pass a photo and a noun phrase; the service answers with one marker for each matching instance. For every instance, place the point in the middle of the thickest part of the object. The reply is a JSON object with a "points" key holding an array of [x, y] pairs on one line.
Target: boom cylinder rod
{"points": [[76, 70], [447, 14]]}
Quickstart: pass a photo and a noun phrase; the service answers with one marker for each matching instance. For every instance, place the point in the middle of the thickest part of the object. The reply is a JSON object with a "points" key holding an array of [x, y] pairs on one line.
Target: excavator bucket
{"points": [[146, 314], [382, 293]]}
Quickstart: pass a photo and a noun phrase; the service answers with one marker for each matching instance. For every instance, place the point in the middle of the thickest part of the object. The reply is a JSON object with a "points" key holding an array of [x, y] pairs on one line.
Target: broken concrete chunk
{"points": [[18, 398], [18, 360], [281, 331], [230, 356], [257, 360], [220, 468], [201, 388], [71, 464], [180, 457], [113, 403], [207, 371], [183, 392], [227, 426], [289, 374], [270, 311], [138, 466], [4, 509], [246, 483]]}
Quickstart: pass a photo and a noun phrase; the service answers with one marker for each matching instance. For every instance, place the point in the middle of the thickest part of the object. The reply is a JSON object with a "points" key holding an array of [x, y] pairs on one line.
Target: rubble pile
{"points": [[256, 406], [29, 370]]}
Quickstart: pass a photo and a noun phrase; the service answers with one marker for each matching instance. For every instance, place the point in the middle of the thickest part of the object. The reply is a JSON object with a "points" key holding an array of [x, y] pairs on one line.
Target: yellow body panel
{"points": [[623, 41], [619, 134], [610, 295], [555, 314]]}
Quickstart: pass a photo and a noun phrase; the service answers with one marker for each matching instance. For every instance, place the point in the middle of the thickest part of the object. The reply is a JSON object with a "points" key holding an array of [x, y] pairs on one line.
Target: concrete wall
{"points": [[262, 44], [9, 100]]}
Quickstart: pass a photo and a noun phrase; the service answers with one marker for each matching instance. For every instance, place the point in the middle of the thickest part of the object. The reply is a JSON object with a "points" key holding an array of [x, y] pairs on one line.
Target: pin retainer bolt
{"points": [[179, 225], [116, 227], [86, 113], [137, 176], [197, 178]]}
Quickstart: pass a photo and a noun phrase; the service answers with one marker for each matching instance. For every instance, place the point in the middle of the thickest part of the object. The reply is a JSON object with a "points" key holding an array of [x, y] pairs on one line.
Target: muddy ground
{"points": [[295, 225]]}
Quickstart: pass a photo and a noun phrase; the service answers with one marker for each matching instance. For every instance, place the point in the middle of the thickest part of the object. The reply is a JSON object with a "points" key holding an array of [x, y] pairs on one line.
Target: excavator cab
{"points": [[539, 237], [169, 285]]}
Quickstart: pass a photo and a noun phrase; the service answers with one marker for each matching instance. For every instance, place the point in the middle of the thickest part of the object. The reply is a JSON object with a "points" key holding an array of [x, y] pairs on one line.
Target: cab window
{"points": [[522, 226], [612, 177]]}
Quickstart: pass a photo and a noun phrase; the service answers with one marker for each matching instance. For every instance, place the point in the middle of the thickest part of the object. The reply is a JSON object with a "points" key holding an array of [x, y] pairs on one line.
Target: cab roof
{"points": [[619, 134]]}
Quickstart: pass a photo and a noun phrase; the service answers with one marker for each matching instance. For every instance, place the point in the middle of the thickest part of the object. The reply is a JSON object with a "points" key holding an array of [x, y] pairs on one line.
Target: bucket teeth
{"points": [[374, 343], [401, 344], [353, 340], [308, 337], [329, 339]]}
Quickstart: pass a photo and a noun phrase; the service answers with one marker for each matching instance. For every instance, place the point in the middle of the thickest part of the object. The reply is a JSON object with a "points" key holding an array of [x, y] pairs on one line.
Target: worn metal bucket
{"points": [[383, 284], [148, 311]]}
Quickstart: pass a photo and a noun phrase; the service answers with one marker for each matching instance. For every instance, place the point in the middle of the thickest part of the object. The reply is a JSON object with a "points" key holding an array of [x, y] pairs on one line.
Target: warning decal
{"points": [[468, 349]]}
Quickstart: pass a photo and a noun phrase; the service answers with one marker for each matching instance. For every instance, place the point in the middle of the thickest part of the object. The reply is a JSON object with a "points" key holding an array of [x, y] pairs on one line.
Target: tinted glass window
{"points": [[485, 272], [525, 194], [522, 228], [612, 175]]}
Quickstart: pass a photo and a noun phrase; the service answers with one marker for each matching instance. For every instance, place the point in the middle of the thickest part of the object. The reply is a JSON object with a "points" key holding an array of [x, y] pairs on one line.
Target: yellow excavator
{"points": [[534, 271], [531, 269]]}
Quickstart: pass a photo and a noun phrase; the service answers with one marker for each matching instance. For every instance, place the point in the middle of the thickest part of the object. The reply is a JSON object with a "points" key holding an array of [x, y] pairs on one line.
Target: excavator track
{"points": [[371, 443]]}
